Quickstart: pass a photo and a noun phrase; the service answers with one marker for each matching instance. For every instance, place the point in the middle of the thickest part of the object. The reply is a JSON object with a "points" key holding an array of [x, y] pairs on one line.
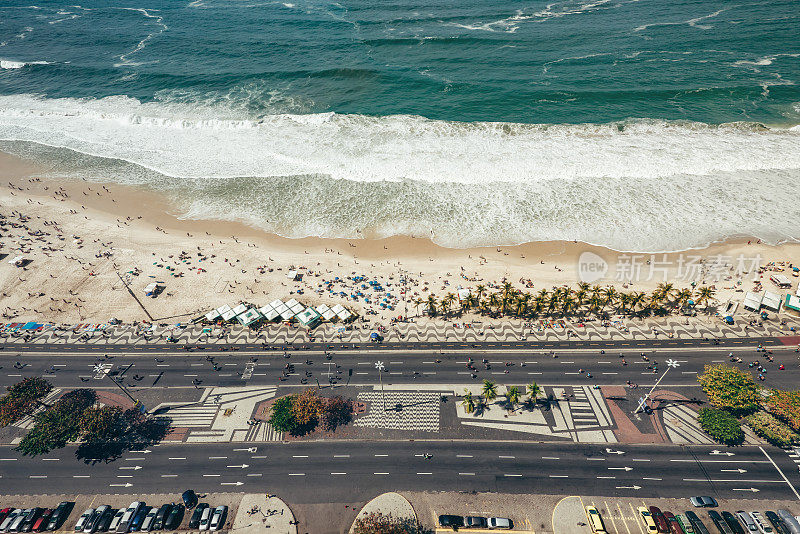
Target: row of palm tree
{"points": [[488, 394], [566, 302]]}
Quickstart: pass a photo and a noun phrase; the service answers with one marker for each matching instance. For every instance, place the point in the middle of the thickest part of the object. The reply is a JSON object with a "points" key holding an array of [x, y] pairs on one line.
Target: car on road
{"points": [[44, 518], [93, 522], [116, 520], [158, 522], [647, 518], [136, 522], [124, 524], [672, 521], [147, 523], [205, 519], [734, 523], [197, 515], [719, 522], [698, 526], [189, 499], [762, 524], [60, 515], [792, 525], [218, 518], [499, 523], [10, 518], [776, 522], [448, 520], [659, 520], [595, 520], [80, 524], [703, 501], [174, 517], [30, 519]]}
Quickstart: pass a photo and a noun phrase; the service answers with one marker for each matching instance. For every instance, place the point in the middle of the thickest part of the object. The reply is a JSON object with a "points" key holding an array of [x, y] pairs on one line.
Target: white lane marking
{"points": [[339, 473], [640, 460], [385, 455], [254, 474], [651, 478], [463, 456], [81, 476], [610, 478], [596, 459], [215, 458], [8, 459], [297, 474], [781, 472], [511, 475], [168, 476], [380, 473], [341, 456], [51, 459], [212, 475], [178, 458], [299, 456], [550, 458], [732, 480], [506, 457], [37, 476], [559, 476], [467, 474], [424, 473]]}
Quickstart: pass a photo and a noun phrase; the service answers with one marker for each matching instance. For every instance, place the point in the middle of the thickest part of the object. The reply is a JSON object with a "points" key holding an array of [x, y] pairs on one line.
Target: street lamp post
{"points": [[670, 364], [379, 366]]}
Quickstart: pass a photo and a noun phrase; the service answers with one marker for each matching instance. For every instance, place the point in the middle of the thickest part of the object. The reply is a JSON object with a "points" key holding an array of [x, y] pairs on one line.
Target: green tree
{"points": [[721, 425], [729, 388], [377, 523], [432, 304], [489, 390], [22, 399], [704, 295], [785, 405], [533, 391], [468, 402], [59, 424], [772, 429], [282, 417], [337, 411], [513, 396], [307, 407], [102, 423]]}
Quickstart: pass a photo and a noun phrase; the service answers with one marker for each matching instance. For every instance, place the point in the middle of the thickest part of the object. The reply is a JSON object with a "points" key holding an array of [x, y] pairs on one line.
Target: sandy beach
{"points": [[79, 236]]}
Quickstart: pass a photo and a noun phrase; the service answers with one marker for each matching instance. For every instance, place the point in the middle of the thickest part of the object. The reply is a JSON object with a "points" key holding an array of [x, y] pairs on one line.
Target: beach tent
{"points": [[752, 301], [264, 310], [224, 308], [771, 301], [792, 302], [296, 307], [292, 275], [276, 303], [308, 317], [463, 294], [228, 315], [240, 309], [781, 281], [271, 315], [326, 312], [341, 312], [248, 317], [212, 316]]}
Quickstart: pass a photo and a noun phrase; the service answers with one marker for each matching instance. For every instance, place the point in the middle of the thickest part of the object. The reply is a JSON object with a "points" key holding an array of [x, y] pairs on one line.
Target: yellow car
{"points": [[595, 521], [648, 519]]}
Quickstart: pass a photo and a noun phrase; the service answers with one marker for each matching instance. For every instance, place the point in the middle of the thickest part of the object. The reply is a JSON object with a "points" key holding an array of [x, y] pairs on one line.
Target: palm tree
{"points": [[522, 303], [513, 396], [705, 294], [595, 303], [610, 296], [480, 289], [494, 301], [468, 402], [682, 297], [489, 390], [432, 305], [553, 302], [447, 303], [417, 302], [637, 299], [533, 391], [568, 305], [666, 289], [624, 299], [581, 295]]}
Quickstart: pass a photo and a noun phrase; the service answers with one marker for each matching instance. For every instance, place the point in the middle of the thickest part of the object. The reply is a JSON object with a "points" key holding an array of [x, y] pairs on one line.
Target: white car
{"points": [[761, 523], [115, 521], [205, 519], [83, 519], [10, 519], [500, 523], [147, 523], [127, 517], [218, 518]]}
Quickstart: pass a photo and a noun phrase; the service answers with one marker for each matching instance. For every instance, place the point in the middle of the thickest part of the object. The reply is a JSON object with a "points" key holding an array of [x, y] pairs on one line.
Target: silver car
{"points": [[83, 519], [10, 519], [500, 523]]}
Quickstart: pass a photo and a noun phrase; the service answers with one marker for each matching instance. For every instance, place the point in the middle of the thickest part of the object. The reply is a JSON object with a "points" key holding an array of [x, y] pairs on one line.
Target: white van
{"points": [[10, 519], [745, 518], [127, 517]]}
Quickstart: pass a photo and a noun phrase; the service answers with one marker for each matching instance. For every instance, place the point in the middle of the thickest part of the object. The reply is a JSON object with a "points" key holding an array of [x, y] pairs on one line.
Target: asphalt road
{"points": [[316, 471], [206, 368]]}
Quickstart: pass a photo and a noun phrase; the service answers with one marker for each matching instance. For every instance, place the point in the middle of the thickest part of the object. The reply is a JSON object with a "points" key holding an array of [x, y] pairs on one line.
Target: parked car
{"points": [[218, 518], [747, 520], [105, 521], [792, 525], [115, 521], [205, 519], [686, 525], [776, 522], [734, 523], [30, 519], [649, 524], [762, 524], [158, 522], [44, 518], [659, 519], [147, 523], [60, 515], [174, 518], [194, 521], [448, 520], [189, 499], [500, 523], [136, 522], [125, 522], [10, 519], [672, 521], [473, 521], [4, 513], [82, 520], [17, 524], [703, 501], [698, 526], [91, 524], [595, 520], [719, 522]]}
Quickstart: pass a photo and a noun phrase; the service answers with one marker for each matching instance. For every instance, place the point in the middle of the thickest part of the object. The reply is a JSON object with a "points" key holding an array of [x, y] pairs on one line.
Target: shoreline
{"points": [[127, 228]]}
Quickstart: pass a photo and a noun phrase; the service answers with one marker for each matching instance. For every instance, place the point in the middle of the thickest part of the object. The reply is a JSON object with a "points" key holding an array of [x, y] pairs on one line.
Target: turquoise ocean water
{"points": [[640, 125]]}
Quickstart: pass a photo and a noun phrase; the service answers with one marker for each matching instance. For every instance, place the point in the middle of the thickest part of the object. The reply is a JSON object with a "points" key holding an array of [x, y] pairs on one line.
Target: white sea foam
{"points": [[629, 185], [10, 64]]}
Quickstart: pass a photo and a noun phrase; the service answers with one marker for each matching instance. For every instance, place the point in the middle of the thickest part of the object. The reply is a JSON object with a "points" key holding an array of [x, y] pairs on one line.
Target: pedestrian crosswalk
{"points": [[262, 431], [192, 415]]}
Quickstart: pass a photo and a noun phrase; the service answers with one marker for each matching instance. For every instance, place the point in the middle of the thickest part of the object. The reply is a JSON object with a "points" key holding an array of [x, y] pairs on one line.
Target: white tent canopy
{"points": [[752, 301], [248, 317], [241, 308], [228, 315], [224, 308], [213, 315], [771, 301]]}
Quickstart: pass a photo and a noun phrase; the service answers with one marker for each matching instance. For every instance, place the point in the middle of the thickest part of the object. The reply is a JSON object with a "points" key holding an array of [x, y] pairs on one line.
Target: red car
{"points": [[41, 523], [659, 520], [672, 521]]}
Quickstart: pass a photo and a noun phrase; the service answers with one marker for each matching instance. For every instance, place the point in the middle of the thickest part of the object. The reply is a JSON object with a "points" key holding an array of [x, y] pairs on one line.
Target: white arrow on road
{"points": [[243, 466], [249, 449], [629, 487], [126, 485], [143, 452], [745, 489], [137, 467], [720, 452], [626, 468], [734, 470], [231, 483], [612, 451]]}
